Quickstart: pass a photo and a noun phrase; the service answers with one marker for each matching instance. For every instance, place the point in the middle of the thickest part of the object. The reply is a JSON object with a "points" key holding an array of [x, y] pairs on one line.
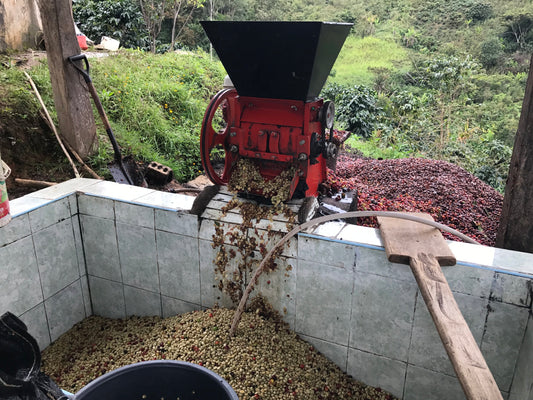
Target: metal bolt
{"points": [[294, 108], [234, 148], [233, 133], [331, 151], [302, 157], [302, 142]]}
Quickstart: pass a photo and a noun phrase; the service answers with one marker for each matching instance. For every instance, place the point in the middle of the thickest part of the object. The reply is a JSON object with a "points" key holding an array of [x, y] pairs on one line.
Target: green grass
{"points": [[371, 148], [359, 55], [16, 101], [156, 104]]}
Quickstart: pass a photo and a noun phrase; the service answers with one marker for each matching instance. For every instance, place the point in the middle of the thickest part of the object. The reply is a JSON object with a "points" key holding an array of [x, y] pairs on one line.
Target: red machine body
{"points": [[273, 116], [275, 133]]}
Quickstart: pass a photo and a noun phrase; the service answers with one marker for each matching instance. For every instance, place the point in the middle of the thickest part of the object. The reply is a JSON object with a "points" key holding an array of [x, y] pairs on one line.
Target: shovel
{"points": [[425, 250], [123, 170]]}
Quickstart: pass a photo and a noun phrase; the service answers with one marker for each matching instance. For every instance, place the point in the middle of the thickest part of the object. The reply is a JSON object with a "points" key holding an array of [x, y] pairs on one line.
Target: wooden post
{"points": [[71, 98], [516, 223]]}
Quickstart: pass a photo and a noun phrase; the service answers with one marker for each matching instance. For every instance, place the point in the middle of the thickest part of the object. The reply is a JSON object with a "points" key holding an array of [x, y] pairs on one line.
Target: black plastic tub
{"points": [[156, 380]]}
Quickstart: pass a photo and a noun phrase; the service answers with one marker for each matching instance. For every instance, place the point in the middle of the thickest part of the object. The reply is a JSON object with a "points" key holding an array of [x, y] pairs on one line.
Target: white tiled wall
{"points": [[87, 246], [42, 266]]}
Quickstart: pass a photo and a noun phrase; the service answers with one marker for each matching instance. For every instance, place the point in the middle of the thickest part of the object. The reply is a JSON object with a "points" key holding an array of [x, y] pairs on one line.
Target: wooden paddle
{"points": [[425, 250]]}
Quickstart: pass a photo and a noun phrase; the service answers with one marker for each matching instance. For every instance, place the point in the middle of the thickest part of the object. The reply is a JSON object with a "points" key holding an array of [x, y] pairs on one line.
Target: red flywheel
{"points": [[214, 142]]}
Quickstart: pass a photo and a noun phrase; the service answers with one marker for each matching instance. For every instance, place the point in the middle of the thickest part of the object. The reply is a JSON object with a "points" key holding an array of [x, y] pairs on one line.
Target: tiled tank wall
{"points": [[42, 268], [141, 253], [140, 260], [378, 326]]}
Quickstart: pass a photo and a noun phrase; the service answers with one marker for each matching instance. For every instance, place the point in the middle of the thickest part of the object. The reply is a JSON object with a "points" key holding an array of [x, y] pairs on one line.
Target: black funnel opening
{"points": [[277, 60]]}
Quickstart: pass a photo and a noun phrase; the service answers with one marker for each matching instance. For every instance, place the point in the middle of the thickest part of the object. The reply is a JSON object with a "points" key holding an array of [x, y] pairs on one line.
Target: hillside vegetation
{"points": [[441, 79], [155, 104]]}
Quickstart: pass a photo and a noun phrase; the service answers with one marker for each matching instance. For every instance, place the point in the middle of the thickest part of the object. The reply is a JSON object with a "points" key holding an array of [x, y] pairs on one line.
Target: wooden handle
{"points": [[468, 362]]}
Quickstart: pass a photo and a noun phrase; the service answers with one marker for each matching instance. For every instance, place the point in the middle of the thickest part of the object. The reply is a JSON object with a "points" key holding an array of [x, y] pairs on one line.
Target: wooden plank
{"points": [[71, 99], [421, 247], [405, 238], [468, 362]]}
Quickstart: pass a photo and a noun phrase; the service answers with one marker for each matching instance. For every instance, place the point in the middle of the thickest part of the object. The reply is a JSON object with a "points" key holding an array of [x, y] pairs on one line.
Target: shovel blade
{"points": [[127, 172]]}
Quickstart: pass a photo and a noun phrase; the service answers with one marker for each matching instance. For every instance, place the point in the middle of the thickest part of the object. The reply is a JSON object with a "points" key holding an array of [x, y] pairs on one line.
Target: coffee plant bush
{"points": [[120, 19], [492, 51], [356, 107]]}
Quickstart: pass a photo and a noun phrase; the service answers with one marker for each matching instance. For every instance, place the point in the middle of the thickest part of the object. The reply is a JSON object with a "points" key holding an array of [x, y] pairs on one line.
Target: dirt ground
{"points": [[27, 144], [32, 153]]}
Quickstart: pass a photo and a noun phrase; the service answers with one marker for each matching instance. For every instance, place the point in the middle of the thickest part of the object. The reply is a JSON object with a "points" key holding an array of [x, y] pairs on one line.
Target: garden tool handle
{"points": [[97, 102], [83, 72]]}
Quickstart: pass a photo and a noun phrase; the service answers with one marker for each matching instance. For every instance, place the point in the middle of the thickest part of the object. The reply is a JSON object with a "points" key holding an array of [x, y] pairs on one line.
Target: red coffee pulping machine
{"points": [[273, 115]]}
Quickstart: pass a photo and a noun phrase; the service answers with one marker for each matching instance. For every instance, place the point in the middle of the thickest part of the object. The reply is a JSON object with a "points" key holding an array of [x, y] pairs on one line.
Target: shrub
{"points": [[119, 19], [478, 11], [518, 34], [355, 106], [493, 158], [448, 74], [491, 52]]}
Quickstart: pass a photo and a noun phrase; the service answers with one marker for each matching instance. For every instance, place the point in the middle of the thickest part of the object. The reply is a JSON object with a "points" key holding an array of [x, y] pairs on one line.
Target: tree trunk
{"points": [[516, 223], [173, 34], [72, 101], [185, 22], [174, 20]]}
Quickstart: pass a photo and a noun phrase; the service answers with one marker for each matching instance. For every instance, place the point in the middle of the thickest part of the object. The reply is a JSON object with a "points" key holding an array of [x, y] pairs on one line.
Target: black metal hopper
{"points": [[277, 60]]}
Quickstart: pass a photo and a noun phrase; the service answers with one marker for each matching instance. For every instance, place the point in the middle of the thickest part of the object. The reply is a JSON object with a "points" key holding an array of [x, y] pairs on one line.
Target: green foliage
{"points": [[492, 51], [17, 102], [119, 19], [359, 56], [492, 161], [413, 39], [446, 12], [478, 11], [355, 107], [267, 10], [156, 104], [373, 148], [347, 16], [153, 13], [518, 34], [448, 74], [496, 104]]}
